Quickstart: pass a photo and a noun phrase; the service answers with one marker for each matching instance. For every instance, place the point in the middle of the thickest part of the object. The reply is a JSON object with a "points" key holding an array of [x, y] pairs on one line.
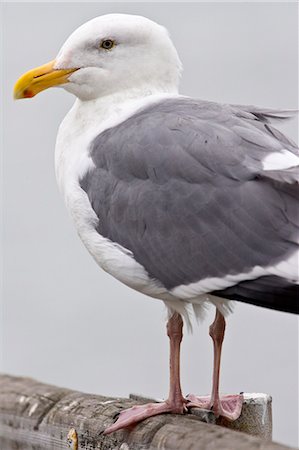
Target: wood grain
{"points": [[36, 416]]}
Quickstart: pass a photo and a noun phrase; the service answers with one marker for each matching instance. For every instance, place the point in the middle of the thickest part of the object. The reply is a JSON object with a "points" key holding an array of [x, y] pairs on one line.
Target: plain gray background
{"points": [[67, 322]]}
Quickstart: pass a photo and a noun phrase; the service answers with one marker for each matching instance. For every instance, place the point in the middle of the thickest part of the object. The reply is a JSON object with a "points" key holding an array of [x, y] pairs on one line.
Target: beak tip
{"points": [[20, 94]]}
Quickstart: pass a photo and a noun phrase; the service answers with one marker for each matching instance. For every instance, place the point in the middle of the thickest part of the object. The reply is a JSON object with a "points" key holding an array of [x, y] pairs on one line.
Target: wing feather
{"points": [[181, 185]]}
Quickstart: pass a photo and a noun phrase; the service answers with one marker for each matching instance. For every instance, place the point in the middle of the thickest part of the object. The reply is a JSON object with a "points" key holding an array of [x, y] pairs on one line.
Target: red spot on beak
{"points": [[28, 93]]}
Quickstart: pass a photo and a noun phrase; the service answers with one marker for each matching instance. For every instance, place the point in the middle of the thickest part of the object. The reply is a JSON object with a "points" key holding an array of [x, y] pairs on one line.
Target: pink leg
{"points": [[228, 406], [175, 403]]}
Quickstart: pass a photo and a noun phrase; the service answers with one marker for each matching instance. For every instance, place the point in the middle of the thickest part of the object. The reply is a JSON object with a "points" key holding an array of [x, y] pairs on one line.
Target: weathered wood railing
{"points": [[36, 416]]}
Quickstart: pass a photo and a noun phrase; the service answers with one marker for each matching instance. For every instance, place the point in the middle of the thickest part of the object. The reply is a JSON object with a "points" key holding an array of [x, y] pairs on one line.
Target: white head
{"points": [[113, 53]]}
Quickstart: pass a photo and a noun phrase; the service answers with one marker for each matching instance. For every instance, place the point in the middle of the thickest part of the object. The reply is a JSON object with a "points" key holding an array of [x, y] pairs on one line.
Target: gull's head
{"points": [[109, 54]]}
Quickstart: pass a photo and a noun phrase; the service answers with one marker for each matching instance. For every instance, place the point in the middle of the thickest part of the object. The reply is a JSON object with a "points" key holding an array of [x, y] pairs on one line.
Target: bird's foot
{"points": [[228, 406], [138, 413]]}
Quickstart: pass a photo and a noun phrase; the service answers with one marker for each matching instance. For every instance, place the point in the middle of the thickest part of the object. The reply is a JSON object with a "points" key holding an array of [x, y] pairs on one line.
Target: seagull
{"points": [[187, 201]]}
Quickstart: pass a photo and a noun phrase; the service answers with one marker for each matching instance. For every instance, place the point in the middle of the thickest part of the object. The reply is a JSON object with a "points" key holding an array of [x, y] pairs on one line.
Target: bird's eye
{"points": [[107, 44]]}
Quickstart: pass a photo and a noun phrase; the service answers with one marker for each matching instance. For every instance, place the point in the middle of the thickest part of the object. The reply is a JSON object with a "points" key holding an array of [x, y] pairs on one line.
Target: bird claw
{"points": [[228, 406]]}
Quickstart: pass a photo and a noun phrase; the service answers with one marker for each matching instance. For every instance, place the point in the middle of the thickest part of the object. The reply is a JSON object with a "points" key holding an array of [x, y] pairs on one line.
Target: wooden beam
{"points": [[38, 416]]}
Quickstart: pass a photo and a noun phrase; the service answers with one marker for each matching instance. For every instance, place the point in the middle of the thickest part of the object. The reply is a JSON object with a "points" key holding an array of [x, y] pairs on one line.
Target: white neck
{"points": [[106, 105]]}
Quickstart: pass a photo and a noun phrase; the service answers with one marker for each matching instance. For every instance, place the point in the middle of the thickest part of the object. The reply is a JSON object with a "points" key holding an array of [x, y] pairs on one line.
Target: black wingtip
{"points": [[269, 292]]}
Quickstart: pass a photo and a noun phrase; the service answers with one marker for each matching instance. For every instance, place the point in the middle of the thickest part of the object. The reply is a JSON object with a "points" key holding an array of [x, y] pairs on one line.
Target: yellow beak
{"points": [[39, 79]]}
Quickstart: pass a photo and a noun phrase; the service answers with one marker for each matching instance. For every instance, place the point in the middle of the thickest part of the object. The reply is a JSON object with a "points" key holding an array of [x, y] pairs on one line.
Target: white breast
{"points": [[81, 125]]}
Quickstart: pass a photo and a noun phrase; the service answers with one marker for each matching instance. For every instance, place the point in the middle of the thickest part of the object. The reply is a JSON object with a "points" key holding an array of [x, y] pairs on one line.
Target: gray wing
{"points": [[181, 185]]}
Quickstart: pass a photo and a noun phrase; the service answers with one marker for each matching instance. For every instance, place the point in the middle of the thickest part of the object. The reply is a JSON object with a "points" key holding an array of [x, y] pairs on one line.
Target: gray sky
{"points": [[67, 322]]}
